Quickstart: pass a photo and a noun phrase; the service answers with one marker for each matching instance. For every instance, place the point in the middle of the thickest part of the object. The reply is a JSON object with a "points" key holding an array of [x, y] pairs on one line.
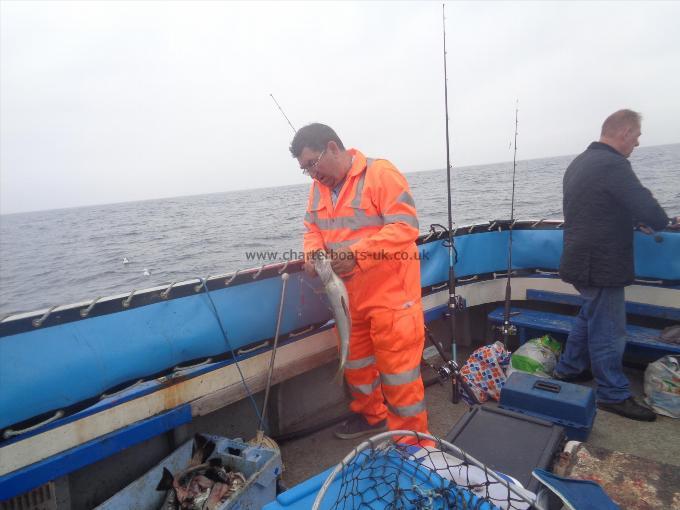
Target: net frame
{"points": [[400, 441]]}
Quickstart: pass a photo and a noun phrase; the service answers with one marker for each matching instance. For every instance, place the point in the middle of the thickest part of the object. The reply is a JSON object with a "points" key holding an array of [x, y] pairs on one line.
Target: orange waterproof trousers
{"points": [[383, 367]]}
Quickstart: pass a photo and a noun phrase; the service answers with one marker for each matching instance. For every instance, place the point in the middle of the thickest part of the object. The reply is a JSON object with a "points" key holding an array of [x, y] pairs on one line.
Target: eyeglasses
{"points": [[307, 170]]}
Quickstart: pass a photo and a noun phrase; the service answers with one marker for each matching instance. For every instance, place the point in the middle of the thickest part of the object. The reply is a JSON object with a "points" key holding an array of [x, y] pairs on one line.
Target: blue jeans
{"points": [[598, 339]]}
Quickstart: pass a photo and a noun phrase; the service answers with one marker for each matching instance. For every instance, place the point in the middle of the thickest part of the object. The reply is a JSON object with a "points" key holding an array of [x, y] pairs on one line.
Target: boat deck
{"points": [[657, 441]]}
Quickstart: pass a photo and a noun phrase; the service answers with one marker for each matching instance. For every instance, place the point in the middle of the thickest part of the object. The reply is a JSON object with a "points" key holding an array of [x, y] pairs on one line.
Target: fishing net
{"points": [[387, 473]]}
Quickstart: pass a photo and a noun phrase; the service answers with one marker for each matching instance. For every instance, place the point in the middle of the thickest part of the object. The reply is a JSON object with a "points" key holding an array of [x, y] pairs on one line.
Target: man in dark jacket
{"points": [[603, 200]]}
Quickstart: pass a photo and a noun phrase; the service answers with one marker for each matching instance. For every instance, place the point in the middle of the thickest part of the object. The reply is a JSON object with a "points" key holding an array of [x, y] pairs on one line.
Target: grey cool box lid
{"points": [[509, 442]]}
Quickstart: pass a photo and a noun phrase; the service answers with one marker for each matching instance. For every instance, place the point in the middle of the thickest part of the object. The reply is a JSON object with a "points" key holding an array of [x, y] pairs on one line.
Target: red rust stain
{"points": [[171, 397]]}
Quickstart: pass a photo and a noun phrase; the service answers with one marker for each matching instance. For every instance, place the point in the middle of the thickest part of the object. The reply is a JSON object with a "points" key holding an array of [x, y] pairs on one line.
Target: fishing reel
{"points": [[447, 371], [509, 329], [458, 303]]}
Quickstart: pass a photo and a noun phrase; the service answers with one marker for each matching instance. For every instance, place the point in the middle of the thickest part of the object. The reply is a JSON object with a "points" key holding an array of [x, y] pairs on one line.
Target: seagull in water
{"points": [[125, 260], [147, 272]]}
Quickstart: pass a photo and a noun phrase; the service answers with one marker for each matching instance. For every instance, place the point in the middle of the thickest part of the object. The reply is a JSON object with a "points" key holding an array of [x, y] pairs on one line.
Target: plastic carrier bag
{"points": [[537, 356], [662, 386], [484, 372]]}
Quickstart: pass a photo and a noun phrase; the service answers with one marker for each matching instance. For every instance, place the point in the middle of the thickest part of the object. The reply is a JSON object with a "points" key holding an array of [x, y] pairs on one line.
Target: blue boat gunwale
{"points": [[152, 384], [19, 322]]}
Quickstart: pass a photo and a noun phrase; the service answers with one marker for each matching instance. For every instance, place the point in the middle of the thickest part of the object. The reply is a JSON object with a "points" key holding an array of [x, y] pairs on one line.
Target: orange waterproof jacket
{"points": [[375, 216]]}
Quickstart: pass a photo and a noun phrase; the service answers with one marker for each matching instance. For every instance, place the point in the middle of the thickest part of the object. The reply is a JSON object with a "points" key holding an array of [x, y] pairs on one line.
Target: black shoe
{"points": [[584, 376], [629, 409], [357, 426]]}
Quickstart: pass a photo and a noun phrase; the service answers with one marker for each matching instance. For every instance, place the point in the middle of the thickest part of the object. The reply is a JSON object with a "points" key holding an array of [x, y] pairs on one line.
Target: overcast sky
{"points": [[113, 101]]}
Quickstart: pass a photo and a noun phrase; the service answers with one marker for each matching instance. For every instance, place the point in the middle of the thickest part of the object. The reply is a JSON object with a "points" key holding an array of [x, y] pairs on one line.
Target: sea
{"points": [[72, 255]]}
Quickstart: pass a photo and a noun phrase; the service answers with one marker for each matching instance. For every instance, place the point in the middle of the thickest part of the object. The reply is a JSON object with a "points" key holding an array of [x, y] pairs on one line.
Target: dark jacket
{"points": [[603, 200]]}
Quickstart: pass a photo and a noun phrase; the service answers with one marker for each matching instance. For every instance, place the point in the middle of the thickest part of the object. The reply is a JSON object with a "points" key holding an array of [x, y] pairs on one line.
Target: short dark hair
{"points": [[620, 119], [314, 136]]}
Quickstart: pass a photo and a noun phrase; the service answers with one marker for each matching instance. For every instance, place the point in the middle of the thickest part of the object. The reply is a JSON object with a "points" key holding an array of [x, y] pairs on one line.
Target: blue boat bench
{"points": [[642, 343]]}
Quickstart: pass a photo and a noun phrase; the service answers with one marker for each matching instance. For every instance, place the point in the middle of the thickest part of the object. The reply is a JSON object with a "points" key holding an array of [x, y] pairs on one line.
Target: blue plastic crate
{"points": [[569, 405], [261, 467]]}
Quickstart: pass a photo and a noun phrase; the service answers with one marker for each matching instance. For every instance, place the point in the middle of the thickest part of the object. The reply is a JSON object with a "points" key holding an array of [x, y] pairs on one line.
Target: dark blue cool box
{"points": [[569, 405]]}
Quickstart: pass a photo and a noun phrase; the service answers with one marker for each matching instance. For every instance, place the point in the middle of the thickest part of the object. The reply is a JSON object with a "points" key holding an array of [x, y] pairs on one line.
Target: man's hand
{"points": [[309, 268], [309, 263], [343, 261], [645, 229], [674, 224]]}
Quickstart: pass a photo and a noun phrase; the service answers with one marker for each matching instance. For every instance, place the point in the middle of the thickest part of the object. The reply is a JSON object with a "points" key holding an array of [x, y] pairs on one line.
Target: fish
{"points": [[204, 484], [671, 334], [337, 296], [202, 487]]}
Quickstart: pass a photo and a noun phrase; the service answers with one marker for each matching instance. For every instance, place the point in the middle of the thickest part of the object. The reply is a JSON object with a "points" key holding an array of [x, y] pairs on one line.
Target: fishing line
{"points": [[507, 328], [283, 113], [233, 354]]}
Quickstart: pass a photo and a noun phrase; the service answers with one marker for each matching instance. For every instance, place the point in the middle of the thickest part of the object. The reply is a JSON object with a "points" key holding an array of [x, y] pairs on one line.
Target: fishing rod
{"points": [[508, 329], [283, 113], [455, 303]]}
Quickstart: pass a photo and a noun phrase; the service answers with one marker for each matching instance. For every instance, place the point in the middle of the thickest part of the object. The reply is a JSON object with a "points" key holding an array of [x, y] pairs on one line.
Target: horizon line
{"points": [[453, 166]]}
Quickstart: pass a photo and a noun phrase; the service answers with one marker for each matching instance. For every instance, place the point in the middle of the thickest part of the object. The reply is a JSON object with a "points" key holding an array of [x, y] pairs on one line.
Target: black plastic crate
{"points": [[509, 442]]}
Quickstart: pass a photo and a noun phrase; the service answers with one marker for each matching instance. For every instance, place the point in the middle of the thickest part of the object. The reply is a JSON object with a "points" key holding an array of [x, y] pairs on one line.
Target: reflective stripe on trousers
{"points": [[383, 369]]}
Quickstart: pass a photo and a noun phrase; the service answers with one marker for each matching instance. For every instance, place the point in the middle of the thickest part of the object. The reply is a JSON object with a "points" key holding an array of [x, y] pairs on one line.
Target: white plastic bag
{"points": [[662, 386], [537, 356]]}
